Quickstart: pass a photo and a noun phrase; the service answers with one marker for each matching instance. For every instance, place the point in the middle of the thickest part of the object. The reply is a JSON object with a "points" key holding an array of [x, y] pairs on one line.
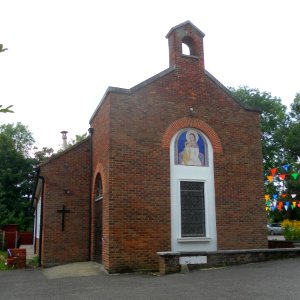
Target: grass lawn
{"points": [[3, 256]]}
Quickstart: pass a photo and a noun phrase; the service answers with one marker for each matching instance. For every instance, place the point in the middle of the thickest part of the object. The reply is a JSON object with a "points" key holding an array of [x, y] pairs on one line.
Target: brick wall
{"points": [[68, 170], [132, 131], [137, 204], [101, 143]]}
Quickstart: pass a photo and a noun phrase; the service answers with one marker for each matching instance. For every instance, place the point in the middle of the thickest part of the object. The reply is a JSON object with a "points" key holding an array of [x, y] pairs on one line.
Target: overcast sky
{"points": [[63, 54]]}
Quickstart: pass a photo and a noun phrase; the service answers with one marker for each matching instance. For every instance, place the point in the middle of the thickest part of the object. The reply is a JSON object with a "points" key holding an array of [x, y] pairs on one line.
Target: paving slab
{"points": [[89, 268]]}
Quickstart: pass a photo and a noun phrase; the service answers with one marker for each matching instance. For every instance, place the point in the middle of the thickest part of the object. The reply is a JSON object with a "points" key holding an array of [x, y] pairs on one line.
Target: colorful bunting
{"points": [[282, 176], [273, 171], [286, 167], [284, 198]]}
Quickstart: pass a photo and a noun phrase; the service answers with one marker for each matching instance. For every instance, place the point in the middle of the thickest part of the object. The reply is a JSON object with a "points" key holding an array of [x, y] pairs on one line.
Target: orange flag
{"points": [[270, 178]]}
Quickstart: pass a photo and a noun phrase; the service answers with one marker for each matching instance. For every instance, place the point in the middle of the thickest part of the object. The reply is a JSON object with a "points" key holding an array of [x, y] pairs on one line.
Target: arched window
{"points": [[193, 217], [98, 188], [190, 148]]}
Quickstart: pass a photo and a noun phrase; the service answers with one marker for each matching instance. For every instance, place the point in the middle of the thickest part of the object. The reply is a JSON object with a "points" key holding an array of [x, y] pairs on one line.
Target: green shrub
{"points": [[291, 230]]}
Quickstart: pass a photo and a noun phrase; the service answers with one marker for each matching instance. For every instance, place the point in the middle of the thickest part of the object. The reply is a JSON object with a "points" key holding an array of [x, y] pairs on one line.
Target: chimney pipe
{"points": [[64, 138]]}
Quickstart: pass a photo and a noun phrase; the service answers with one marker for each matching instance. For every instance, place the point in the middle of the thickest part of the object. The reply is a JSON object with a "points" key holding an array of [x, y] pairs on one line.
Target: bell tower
{"points": [[188, 35]]}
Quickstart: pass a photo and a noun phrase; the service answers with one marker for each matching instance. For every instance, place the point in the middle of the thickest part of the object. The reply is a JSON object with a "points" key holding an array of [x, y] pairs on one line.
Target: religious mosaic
{"points": [[190, 148]]}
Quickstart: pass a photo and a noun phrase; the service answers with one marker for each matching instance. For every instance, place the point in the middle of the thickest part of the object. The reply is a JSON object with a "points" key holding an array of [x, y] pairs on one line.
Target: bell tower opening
{"points": [[188, 47]]}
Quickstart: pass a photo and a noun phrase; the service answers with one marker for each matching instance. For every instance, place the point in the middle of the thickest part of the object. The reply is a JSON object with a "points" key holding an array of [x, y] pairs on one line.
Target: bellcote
{"points": [[189, 36]]}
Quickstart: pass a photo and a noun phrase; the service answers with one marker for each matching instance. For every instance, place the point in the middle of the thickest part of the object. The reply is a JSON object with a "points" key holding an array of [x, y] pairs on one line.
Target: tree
{"points": [[16, 175], [78, 138], [273, 122], [43, 154], [22, 138], [2, 49], [5, 109], [292, 143]]}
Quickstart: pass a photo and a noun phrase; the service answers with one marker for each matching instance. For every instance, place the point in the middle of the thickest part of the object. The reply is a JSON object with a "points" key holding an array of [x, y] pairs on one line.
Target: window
{"points": [[188, 46], [190, 148], [192, 209], [99, 190], [185, 49]]}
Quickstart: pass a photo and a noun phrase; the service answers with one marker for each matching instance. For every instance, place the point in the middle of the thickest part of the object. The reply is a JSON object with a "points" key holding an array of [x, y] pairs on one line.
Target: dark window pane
{"points": [[192, 209]]}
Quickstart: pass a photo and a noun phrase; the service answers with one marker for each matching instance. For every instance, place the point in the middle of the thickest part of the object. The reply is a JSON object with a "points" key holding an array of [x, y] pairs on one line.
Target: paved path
{"points": [[268, 280]]}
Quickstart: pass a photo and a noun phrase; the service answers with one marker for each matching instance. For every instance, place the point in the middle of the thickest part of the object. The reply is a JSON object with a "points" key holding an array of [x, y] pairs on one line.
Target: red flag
{"points": [[282, 176], [273, 171]]}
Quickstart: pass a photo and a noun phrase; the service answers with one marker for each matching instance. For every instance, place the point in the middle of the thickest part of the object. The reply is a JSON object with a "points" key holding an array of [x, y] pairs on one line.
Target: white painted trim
{"points": [[193, 173], [194, 239]]}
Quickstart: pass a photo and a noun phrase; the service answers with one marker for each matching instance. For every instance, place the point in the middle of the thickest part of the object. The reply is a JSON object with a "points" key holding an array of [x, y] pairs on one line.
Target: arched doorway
{"points": [[98, 207]]}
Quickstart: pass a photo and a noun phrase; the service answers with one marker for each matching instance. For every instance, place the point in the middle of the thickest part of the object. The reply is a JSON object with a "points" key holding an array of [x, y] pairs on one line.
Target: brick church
{"points": [[171, 164]]}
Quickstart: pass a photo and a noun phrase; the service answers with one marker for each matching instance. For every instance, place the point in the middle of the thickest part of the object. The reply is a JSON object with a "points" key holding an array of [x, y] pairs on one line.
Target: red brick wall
{"points": [[101, 144], [130, 150], [137, 204], [70, 170]]}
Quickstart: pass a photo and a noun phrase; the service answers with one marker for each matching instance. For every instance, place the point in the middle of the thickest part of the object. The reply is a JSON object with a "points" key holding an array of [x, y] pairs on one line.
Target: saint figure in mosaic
{"points": [[189, 152]]}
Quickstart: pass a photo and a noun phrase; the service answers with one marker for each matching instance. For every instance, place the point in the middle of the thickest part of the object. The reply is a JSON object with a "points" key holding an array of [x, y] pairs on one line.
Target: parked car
{"points": [[274, 228]]}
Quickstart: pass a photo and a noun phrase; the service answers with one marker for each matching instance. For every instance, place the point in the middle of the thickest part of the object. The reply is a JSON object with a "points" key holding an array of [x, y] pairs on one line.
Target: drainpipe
{"points": [[41, 221], [91, 131]]}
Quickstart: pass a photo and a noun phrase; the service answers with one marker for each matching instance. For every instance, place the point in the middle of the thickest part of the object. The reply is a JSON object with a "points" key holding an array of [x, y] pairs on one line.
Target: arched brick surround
{"points": [[99, 170], [194, 123]]}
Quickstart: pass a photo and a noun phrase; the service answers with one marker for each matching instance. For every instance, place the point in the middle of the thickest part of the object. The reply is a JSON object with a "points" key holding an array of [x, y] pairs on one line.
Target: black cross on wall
{"points": [[63, 211]]}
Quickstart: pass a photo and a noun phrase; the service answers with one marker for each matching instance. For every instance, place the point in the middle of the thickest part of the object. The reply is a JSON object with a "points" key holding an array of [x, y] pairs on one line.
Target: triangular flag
{"points": [[287, 204], [293, 195], [267, 197], [298, 159], [275, 196], [273, 171], [283, 195], [286, 167], [298, 204], [281, 176], [295, 175], [270, 178], [286, 207], [294, 203]]}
